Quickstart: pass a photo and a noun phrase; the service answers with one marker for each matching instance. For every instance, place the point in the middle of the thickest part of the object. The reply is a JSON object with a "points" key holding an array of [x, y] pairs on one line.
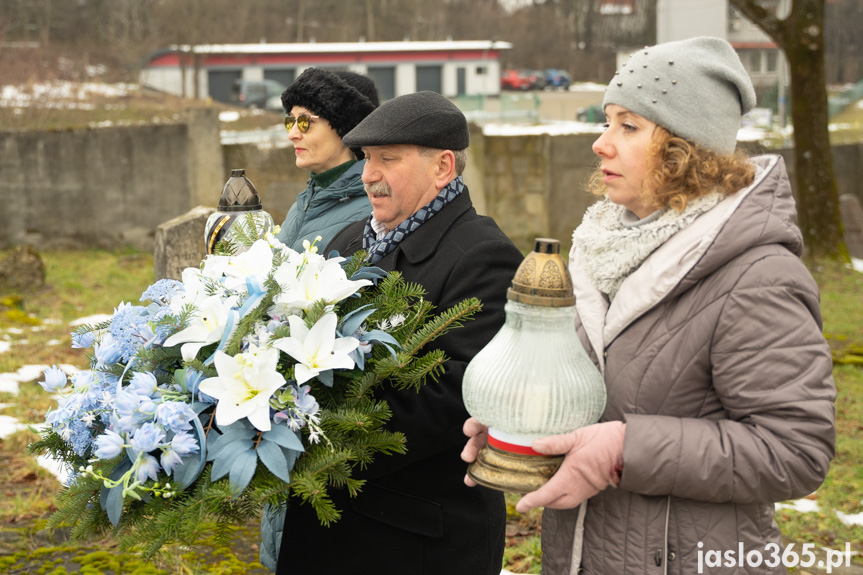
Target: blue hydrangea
{"points": [[162, 291], [130, 330], [80, 436]]}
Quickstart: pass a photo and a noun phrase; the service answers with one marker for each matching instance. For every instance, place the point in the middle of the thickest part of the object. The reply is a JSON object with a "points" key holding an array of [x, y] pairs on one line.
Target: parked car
{"points": [[513, 79], [591, 114], [537, 79], [557, 79], [256, 93]]}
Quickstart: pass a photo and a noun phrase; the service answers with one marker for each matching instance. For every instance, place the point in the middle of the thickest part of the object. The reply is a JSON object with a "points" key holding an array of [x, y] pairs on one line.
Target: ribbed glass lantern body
{"points": [[534, 378], [221, 226]]}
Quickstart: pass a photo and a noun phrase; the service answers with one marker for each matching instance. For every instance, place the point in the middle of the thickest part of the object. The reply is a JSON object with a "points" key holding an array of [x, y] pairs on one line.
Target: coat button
{"points": [[672, 555]]}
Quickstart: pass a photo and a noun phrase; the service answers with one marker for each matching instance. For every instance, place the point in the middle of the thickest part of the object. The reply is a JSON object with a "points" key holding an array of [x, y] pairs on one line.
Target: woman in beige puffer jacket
{"points": [[694, 303]]}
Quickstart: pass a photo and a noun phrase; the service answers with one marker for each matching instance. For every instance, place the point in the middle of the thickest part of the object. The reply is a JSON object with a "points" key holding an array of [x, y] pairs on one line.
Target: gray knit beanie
{"points": [[696, 89]]}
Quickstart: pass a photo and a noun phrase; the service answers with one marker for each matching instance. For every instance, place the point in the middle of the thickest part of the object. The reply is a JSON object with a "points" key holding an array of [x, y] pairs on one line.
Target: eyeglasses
{"points": [[303, 121]]}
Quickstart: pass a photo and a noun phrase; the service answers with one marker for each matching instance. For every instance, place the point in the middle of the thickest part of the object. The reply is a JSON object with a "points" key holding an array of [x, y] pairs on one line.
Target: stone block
{"points": [[180, 243], [22, 270], [852, 224]]}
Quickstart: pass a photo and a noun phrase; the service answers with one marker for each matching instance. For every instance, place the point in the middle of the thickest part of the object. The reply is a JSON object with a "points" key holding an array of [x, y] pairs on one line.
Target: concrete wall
{"points": [[111, 187], [106, 187]]}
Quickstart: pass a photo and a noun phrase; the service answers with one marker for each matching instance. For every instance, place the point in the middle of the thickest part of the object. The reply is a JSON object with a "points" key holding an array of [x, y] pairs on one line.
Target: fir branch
{"points": [[413, 374], [311, 490], [452, 318]]}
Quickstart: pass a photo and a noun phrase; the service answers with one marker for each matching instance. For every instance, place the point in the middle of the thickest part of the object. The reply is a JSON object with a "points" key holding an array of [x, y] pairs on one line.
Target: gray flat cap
{"points": [[423, 119]]}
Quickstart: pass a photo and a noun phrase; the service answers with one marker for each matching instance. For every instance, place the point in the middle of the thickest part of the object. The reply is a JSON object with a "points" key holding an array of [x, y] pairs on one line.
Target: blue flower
{"points": [[175, 415], [109, 445], [147, 437], [83, 340], [170, 459], [126, 403], [193, 380], [304, 401], [181, 445], [148, 467], [55, 379], [68, 409], [107, 351], [143, 384], [184, 443]]}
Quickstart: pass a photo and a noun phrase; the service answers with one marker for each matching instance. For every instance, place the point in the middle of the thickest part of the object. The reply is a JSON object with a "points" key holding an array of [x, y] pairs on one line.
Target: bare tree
{"points": [[801, 37]]}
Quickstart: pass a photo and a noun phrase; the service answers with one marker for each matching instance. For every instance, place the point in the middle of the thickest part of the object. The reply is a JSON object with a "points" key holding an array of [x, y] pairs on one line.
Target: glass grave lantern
{"points": [[533, 379], [239, 202]]}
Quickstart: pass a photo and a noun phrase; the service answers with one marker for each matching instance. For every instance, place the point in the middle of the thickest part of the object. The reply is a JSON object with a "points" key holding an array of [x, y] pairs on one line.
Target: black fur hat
{"points": [[340, 98], [364, 84]]}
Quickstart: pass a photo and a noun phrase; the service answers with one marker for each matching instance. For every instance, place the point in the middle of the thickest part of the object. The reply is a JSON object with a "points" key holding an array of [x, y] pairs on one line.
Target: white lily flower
{"points": [[320, 279], [257, 262], [206, 326], [245, 385], [214, 266], [317, 349], [197, 283]]}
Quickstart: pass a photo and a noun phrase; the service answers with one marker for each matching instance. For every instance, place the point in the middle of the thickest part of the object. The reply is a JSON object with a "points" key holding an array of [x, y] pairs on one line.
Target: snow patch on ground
{"points": [[9, 425], [60, 470], [811, 506], [60, 94], [91, 319]]}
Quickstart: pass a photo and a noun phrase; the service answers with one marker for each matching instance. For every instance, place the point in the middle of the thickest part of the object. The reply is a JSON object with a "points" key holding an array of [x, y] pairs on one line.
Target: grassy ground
{"points": [[79, 284], [82, 283]]}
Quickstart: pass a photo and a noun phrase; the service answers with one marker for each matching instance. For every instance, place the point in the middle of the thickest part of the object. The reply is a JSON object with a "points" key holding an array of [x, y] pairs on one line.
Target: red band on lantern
{"points": [[511, 447]]}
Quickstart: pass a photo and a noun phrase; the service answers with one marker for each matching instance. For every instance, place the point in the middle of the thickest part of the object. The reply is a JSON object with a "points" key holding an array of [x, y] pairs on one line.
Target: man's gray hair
{"points": [[460, 157]]}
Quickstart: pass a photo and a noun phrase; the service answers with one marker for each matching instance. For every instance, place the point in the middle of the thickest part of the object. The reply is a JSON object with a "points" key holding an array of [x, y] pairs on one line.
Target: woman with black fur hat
{"points": [[322, 106]]}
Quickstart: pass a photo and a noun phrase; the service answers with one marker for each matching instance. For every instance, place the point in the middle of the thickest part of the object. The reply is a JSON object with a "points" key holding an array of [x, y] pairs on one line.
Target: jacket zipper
{"points": [[665, 542]]}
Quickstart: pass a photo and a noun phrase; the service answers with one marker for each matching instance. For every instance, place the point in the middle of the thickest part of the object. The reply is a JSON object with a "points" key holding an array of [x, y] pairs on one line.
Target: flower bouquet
{"points": [[251, 381]]}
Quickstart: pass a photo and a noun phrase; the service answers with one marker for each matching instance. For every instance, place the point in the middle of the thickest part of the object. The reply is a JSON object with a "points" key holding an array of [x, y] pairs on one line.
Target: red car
{"points": [[516, 80]]}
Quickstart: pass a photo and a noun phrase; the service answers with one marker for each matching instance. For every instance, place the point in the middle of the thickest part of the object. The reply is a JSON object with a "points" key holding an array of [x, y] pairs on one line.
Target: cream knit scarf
{"points": [[611, 244]]}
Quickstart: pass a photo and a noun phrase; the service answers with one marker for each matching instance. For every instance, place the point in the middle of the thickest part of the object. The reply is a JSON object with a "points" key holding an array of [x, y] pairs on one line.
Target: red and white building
{"points": [[452, 68]]}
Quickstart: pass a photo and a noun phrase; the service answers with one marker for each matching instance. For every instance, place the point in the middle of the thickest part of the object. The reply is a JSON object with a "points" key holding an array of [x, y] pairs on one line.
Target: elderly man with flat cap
{"points": [[415, 515]]}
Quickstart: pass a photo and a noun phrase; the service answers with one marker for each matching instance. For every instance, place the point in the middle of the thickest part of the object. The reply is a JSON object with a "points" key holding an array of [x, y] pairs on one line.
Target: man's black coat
{"points": [[415, 515]]}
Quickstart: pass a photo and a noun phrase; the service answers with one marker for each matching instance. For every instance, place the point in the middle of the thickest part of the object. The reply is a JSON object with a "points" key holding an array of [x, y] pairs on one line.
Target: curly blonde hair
{"points": [[681, 170]]}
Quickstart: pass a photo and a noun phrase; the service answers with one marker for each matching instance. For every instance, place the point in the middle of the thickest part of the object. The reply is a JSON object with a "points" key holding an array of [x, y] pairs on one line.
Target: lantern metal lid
{"points": [[542, 279], [239, 194]]}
